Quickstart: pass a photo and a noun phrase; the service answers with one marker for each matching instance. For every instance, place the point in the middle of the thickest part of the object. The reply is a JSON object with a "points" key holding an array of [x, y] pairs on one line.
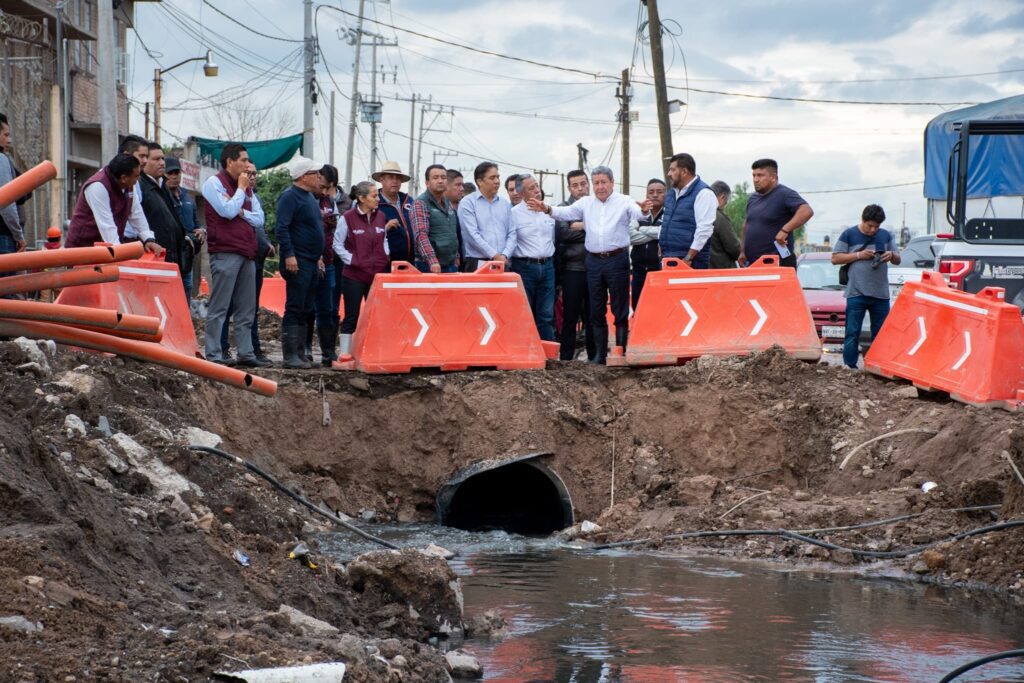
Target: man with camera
{"points": [[865, 252]]}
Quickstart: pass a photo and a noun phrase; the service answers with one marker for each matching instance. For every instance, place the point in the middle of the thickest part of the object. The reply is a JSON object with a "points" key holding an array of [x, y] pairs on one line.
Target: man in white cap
{"points": [[300, 235], [397, 207]]}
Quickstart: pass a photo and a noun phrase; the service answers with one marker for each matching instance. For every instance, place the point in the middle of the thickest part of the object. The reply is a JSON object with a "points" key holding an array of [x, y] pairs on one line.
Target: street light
{"points": [[210, 70]]}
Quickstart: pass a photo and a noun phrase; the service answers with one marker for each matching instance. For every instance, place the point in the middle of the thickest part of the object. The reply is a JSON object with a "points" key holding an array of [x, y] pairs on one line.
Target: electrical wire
{"points": [[248, 28], [956, 673], [864, 189]]}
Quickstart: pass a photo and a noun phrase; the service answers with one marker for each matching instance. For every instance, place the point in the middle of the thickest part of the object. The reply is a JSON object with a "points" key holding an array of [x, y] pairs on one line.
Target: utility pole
{"points": [[331, 130], [660, 90], [581, 156], [373, 110], [542, 174], [309, 79], [106, 87], [352, 121], [414, 184], [625, 93], [437, 110]]}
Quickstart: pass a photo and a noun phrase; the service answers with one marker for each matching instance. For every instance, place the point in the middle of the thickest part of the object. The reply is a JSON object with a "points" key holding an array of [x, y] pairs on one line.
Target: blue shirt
{"points": [[486, 226], [766, 214], [862, 278], [299, 227]]}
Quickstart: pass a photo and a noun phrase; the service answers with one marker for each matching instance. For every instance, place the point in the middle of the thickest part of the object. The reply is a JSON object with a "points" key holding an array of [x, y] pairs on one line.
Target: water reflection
{"points": [[609, 618]]}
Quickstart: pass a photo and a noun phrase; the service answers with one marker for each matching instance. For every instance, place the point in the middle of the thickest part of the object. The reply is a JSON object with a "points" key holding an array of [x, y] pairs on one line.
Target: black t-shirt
{"points": [[766, 214]]}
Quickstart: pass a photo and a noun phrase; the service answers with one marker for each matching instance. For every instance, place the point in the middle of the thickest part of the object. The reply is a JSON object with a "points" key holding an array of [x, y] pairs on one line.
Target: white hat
{"points": [[391, 168], [300, 166]]}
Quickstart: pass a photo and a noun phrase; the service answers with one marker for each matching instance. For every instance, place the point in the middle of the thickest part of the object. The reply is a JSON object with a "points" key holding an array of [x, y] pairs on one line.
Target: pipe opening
{"points": [[522, 497]]}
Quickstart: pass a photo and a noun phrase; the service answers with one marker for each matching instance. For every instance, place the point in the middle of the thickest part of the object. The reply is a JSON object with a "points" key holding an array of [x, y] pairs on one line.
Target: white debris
{"points": [[74, 426], [199, 437]]}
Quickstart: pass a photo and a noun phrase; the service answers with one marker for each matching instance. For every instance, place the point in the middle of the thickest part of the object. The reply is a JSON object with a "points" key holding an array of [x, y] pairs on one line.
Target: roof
{"points": [[996, 164]]}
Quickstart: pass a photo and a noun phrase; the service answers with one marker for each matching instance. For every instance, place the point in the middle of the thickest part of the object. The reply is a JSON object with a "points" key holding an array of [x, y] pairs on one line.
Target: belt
{"points": [[607, 254], [527, 259]]}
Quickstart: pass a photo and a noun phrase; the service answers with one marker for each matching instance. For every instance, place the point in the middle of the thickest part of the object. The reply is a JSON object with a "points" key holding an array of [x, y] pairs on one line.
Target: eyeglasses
{"points": [[251, 173]]}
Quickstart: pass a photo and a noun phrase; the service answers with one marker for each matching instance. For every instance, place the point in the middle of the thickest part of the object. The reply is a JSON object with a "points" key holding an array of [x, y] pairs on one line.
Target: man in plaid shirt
{"points": [[436, 225]]}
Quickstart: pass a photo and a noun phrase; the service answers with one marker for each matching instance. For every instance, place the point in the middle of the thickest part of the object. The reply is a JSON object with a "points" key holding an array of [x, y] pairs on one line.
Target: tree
{"points": [[269, 186], [240, 124], [736, 208]]}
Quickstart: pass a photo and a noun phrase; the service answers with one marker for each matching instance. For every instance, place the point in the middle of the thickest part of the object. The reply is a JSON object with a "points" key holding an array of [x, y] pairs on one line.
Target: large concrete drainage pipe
{"points": [[520, 495]]}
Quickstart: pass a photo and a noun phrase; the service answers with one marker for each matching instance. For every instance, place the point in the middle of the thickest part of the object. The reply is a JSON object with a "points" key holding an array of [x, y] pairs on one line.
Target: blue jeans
{"points": [[7, 246], [186, 280], [856, 307], [323, 301], [424, 267], [539, 282]]}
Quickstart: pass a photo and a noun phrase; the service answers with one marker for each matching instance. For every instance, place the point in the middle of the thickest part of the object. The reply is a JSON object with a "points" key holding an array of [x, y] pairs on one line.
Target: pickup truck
{"points": [[981, 251]]}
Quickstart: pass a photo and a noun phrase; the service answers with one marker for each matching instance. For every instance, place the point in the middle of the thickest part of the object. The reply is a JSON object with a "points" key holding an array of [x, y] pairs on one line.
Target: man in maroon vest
{"points": [[108, 205], [233, 248]]}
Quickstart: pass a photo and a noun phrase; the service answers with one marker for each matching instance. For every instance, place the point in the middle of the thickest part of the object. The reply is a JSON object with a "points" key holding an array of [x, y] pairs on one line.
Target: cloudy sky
{"points": [[528, 116]]}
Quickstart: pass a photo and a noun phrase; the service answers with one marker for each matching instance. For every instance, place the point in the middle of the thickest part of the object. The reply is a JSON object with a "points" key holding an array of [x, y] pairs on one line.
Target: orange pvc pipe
{"points": [[26, 182], [156, 337], [143, 351], [75, 256], [56, 279], [79, 316]]}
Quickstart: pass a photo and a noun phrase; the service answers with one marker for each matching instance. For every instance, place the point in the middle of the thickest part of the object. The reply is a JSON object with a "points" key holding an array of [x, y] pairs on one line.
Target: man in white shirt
{"points": [[109, 208], [689, 218], [533, 258], [607, 216]]}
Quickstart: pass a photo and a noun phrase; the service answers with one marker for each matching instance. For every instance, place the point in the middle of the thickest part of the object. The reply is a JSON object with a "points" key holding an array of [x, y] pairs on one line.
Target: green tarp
{"points": [[264, 153]]}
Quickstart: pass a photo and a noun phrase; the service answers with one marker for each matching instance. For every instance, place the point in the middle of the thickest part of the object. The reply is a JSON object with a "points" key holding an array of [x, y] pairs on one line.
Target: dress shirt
{"points": [[99, 202], [486, 226], [227, 206], [535, 233], [607, 222], [705, 209], [254, 217]]}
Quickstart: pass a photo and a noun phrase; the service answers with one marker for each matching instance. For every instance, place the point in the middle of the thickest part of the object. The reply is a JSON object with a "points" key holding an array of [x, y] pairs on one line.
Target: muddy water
{"points": [[617, 617]]}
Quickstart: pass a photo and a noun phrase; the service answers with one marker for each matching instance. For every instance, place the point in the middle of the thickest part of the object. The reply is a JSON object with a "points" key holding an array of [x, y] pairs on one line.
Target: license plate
{"points": [[833, 331]]}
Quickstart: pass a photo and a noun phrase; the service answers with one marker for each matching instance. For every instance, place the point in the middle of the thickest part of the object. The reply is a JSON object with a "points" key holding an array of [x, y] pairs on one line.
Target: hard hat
{"points": [[53, 233]]}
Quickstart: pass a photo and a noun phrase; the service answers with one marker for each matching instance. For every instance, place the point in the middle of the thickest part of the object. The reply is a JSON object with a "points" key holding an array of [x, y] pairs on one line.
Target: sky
{"points": [[531, 117]]}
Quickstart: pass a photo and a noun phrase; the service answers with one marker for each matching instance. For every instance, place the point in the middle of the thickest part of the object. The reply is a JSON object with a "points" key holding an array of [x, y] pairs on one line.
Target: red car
{"points": [[819, 279]]}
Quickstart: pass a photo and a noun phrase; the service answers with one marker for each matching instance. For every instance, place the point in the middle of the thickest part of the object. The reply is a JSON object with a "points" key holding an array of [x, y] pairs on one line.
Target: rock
{"points": [[35, 368], [20, 624], [904, 392], [390, 648], [113, 462], [166, 482], [424, 583], [920, 567], [367, 515], [488, 624], [463, 665], [77, 382], [399, 662], [588, 527], [699, 490], [180, 506], [359, 383], [933, 559], [103, 425], [205, 522], [310, 625], [802, 496], [74, 426], [31, 351], [437, 551], [867, 472], [199, 437], [772, 513]]}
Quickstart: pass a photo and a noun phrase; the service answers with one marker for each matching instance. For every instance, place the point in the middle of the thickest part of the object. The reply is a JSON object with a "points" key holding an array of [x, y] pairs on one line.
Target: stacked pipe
{"points": [[132, 336]]}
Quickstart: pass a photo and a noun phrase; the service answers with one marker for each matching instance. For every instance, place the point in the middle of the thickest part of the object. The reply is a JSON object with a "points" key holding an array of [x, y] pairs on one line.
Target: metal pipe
{"points": [[143, 351]]}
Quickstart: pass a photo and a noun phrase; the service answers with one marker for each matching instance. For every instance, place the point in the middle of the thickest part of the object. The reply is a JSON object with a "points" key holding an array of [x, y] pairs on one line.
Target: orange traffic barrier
{"points": [[75, 256], [139, 350], [79, 316], [448, 321], [147, 287], [272, 295], [685, 313], [968, 345], [29, 180], [33, 282]]}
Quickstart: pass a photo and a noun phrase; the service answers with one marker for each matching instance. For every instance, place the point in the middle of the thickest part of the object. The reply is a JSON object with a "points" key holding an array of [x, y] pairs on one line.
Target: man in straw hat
{"points": [[397, 208]]}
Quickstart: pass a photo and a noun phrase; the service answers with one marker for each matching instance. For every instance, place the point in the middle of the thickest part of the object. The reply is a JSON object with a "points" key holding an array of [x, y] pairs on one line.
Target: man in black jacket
{"points": [[163, 219], [571, 258]]}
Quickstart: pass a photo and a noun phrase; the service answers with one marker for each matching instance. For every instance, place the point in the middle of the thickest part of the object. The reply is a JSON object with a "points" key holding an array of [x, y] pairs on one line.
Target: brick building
{"points": [[30, 89]]}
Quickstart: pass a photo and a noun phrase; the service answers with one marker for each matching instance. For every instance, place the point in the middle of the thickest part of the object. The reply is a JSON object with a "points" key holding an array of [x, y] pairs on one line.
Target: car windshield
{"points": [[818, 274]]}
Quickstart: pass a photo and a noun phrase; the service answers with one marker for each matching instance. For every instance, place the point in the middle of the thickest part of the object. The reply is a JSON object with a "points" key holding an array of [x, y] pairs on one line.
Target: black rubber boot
{"points": [[293, 338], [328, 337], [601, 344], [621, 337]]}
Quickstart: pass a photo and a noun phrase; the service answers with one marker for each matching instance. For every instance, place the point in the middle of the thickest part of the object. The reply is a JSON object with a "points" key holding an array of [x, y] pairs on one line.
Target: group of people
{"points": [[597, 246]]}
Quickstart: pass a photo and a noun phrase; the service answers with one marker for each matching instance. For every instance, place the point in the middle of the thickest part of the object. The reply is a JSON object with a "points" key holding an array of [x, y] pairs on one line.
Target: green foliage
{"points": [[736, 208], [269, 186]]}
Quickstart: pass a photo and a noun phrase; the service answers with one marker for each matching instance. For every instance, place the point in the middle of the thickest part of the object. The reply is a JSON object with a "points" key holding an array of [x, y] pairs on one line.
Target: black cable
{"points": [[979, 662], [794, 536], [247, 27], [292, 494], [893, 520]]}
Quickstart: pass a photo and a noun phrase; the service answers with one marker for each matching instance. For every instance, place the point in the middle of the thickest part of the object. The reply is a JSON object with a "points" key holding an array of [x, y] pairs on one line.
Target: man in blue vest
{"points": [[689, 218]]}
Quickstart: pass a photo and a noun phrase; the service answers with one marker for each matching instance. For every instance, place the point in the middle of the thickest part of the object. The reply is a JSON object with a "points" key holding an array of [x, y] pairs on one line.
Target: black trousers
{"points": [[353, 292], [608, 277], [644, 258], [575, 306]]}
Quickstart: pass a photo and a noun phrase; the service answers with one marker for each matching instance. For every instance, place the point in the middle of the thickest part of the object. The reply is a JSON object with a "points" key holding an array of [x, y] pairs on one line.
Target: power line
{"points": [[895, 79], [862, 189], [247, 27]]}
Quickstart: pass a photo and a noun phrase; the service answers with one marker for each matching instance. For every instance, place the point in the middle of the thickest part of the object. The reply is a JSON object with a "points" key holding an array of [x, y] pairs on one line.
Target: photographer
{"points": [[865, 251]]}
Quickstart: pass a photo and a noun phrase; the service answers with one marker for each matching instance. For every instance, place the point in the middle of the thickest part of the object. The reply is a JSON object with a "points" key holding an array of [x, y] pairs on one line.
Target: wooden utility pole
{"points": [[660, 90], [624, 95]]}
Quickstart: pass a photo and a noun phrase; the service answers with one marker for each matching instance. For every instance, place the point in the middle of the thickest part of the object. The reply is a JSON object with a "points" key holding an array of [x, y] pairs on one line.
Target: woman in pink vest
{"points": [[361, 243]]}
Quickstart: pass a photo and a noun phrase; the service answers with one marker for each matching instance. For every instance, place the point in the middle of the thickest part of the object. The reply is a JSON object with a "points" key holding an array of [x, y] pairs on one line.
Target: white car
{"points": [[916, 257]]}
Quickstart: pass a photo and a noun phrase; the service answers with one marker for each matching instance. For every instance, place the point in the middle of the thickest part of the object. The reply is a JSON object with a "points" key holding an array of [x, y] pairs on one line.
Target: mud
{"points": [[128, 561]]}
